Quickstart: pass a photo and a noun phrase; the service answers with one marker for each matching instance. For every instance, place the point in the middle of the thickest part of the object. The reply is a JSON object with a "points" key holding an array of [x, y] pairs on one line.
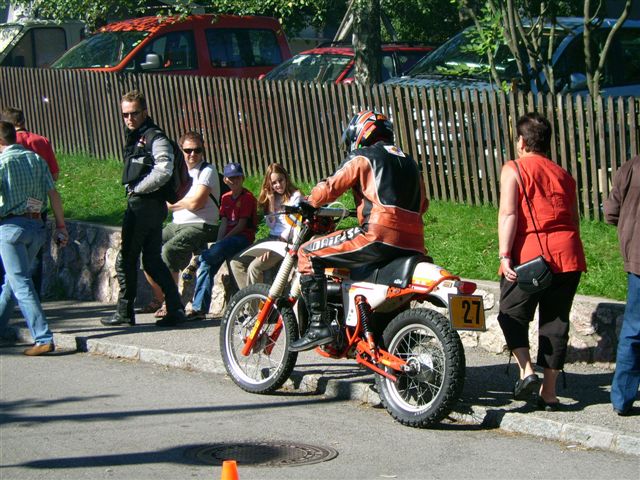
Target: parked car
{"points": [[213, 45], [453, 65], [334, 62], [37, 43]]}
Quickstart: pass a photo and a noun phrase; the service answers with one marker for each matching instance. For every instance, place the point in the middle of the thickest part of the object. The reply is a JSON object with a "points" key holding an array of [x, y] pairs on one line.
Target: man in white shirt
{"points": [[195, 217]]}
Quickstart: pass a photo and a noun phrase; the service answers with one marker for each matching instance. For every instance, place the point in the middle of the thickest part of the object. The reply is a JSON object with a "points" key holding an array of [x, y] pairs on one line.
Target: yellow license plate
{"points": [[466, 312]]}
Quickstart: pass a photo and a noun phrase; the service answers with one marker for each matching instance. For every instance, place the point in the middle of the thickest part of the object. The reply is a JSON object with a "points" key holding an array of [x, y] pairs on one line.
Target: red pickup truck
{"points": [[212, 45]]}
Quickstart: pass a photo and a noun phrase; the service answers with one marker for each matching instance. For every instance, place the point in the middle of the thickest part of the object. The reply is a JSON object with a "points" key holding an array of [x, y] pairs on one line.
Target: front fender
{"points": [[260, 248]]}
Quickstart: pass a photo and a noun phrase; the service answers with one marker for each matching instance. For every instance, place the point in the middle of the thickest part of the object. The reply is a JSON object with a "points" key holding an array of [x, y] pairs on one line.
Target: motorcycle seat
{"points": [[396, 273]]}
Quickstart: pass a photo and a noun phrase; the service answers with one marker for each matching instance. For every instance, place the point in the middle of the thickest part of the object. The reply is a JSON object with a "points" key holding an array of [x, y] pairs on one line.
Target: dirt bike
{"points": [[416, 354]]}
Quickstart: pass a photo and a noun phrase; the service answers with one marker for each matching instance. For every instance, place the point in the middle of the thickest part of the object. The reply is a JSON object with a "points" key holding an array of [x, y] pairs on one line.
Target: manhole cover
{"points": [[268, 454]]}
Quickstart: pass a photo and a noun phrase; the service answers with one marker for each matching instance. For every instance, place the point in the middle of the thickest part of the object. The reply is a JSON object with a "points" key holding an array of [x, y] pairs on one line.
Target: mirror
{"points": [[152, 62], [577, 81]]}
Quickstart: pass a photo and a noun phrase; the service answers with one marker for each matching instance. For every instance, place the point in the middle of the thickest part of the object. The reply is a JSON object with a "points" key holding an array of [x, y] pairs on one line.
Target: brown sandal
{"points": [[151, 307], [161, 312]]}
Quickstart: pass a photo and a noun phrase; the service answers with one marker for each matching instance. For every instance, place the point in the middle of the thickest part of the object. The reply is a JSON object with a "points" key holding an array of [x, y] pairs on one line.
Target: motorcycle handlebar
{"points": [[308, 211]]}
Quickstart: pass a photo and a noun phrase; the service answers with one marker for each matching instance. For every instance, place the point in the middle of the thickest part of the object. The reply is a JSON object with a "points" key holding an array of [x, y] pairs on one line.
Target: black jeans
{"points": [[517, 309], [142, 234]]}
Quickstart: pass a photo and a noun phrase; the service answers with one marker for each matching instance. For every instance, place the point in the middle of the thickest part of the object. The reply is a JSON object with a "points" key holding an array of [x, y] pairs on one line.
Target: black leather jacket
{"points": [[148, 160]]}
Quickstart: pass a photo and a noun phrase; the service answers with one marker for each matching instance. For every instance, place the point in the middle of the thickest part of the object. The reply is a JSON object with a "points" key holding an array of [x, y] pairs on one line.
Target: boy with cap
{"points": [[238, 221]]}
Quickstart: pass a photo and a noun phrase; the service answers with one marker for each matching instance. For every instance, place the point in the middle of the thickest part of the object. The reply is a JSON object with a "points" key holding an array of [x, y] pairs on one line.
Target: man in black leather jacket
{"points": [[147, 175]]}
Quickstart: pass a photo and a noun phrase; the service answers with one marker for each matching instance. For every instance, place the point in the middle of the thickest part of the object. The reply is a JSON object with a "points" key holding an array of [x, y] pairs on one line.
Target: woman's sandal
{"points": [[152, 306], [161, 312]]}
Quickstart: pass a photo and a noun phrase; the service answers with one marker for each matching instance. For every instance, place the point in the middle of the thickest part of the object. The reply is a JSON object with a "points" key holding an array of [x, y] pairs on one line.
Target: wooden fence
{"points": [[461, 137]]}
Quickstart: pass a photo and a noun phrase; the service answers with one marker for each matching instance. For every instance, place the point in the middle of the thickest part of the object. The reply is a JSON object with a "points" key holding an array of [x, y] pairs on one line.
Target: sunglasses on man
{"points": [[189, 151]]}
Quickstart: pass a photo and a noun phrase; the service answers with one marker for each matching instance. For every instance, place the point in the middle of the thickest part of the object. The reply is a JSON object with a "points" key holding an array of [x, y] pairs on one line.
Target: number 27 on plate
{"points": [[466, 312]]}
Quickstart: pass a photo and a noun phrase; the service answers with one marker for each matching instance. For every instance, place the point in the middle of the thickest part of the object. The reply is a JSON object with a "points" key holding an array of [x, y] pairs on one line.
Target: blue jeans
{"points": [[20, 240], [626, 378], [210, 262]]}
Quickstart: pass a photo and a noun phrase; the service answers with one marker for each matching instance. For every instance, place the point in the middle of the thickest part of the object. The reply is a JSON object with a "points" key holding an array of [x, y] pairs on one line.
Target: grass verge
{"points": [[462, 238]]}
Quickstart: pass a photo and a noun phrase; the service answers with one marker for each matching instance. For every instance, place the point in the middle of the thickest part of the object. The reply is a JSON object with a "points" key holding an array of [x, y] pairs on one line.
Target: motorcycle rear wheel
{"points": [[427, 393], [270, 362]]}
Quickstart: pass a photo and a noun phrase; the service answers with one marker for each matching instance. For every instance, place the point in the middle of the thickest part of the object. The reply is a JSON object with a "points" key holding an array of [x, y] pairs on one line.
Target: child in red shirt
{"points": [[238, 219]]}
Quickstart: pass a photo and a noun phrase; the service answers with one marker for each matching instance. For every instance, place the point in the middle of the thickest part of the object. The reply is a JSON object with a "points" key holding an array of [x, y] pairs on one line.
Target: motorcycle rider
{"points": [[390, 200]]}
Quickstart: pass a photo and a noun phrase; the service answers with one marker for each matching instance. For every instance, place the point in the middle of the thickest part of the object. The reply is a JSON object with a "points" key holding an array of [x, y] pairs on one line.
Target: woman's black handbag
{"points": [[534, 275]]}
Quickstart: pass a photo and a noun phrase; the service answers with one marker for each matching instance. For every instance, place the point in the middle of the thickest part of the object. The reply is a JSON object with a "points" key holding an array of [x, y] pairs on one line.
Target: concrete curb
{"points": [[570, 433]]}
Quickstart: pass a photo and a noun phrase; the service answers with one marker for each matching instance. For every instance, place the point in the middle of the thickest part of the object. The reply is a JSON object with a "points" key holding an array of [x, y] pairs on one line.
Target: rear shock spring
{"points": [[364, 313]]}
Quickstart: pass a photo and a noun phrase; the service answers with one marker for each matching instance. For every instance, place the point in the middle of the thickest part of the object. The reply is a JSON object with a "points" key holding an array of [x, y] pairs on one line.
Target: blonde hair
{"points": [[135, 96], [266, 199]]}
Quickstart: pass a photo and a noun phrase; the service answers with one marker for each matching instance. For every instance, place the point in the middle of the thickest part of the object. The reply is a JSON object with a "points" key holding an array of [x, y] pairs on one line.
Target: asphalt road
{"points": [[73, 415]]}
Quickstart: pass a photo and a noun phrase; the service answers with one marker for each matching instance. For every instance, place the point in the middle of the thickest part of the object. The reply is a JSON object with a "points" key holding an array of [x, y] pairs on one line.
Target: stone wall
{"points": [[593, 334], [84, 270]]}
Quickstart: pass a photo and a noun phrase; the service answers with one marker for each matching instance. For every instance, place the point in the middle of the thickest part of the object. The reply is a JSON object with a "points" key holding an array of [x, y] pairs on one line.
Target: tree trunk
{"points": [[366, 41], [595, 71]]}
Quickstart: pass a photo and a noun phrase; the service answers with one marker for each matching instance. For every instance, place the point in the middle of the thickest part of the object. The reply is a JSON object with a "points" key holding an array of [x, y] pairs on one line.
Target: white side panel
{"points": [[375, 295]]}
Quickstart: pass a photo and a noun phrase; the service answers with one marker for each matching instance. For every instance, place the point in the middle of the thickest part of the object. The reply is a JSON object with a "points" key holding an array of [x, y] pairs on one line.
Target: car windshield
{"points": [[7, 34], [456, 59], [106, 49], [311, 68]]}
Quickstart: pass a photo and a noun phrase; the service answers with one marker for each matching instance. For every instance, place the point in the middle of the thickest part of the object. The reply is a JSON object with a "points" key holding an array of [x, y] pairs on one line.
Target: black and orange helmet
{"points": [[366, 128]]}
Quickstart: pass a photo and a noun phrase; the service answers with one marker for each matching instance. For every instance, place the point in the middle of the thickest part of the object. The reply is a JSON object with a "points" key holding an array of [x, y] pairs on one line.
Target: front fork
{"points": [[275, 292], [264, 313]]}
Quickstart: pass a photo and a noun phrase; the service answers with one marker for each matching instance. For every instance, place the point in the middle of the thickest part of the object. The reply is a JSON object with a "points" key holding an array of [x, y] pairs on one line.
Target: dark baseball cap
{"points": [[233, 169]]}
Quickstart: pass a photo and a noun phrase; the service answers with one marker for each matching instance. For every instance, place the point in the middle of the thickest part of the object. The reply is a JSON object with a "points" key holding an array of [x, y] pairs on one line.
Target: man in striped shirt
{"points": [[25, 184], [42, 146]]}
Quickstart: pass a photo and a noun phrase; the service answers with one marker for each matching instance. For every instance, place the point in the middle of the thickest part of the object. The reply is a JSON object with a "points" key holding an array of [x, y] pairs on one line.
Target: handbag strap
{"points": [[526, 197]]}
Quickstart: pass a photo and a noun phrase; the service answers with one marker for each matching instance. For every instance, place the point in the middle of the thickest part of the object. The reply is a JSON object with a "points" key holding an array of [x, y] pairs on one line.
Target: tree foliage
{"points": [[430, 21], [520, 25], [293, 14]]}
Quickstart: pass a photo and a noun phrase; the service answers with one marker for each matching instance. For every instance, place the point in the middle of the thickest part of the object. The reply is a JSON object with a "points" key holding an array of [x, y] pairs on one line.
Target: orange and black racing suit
{"points": [[390, 199]]}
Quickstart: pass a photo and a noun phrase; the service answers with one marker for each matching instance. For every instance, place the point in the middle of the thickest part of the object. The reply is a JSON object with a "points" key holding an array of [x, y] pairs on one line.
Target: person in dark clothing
{"points": [[148, 167], [622, 208], [390, 199]]}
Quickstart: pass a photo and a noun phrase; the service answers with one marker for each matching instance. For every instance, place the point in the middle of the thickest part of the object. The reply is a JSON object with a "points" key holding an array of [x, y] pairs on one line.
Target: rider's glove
{"points": [[307, 209]]}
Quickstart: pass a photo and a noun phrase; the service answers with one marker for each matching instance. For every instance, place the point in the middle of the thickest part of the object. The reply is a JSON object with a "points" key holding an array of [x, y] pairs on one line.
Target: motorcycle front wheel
{"points": [[427, 391], [269, 363]]}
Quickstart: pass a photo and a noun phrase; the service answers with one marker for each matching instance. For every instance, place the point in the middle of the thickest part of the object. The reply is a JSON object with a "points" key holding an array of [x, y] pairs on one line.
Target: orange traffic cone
{"points": [[229, 470]]}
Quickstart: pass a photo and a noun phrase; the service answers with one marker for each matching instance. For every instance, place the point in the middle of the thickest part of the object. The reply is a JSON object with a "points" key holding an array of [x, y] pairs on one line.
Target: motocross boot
{"points": [[314, 290]]}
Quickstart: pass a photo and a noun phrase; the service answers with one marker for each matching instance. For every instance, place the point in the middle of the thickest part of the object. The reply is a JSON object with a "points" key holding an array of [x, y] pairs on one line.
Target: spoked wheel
{"points": [[434, 377], [269, 363]]}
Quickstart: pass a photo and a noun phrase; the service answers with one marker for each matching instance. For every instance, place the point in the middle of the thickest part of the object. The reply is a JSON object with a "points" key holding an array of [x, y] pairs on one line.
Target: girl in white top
{"points": [[277, 190]]}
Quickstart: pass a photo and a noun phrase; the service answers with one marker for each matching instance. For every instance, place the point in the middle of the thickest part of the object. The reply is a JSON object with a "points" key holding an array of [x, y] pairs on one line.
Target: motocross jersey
{"points": [[389, 194]]}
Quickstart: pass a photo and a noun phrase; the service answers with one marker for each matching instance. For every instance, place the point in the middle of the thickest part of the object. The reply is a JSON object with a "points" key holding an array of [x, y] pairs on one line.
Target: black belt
{"points": [[31, 215]]}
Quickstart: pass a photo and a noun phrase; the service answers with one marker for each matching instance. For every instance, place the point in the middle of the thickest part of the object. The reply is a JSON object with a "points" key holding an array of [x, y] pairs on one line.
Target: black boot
{"points": [[314, 290], [118, 319]]}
